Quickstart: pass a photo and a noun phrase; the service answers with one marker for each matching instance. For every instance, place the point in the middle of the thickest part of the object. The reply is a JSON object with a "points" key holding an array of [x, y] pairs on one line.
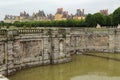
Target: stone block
{"points": [[62, 55], [46, 56], [10, 58], [3, 68], [55, 61], [23, 65], [25, 60], [11, 66], [46, 62], [11, 71], [62, 60], [68, 59], [40, 58], [34, 59], [56, 55], [68, 55]]}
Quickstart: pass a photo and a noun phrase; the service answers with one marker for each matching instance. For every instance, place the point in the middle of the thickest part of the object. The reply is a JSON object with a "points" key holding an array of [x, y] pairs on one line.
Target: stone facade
{"points": [[89, 40], [24, 48]]}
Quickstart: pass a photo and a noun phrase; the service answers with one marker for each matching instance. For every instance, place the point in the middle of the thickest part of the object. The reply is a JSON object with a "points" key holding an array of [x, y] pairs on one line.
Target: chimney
{"points": [[82, 12], [107, 11]]}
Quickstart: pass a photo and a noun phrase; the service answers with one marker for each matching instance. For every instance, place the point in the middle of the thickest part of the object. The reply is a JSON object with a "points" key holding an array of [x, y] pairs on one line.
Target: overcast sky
{"points": [[14, 7]]}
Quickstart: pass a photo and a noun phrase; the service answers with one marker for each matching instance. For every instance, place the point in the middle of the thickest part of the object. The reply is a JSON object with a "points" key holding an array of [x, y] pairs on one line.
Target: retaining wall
{"points": [[24, 48]]}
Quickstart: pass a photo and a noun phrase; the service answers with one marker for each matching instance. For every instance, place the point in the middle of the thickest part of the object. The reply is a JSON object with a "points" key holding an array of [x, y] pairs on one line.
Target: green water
{"points": [[81, 68]]}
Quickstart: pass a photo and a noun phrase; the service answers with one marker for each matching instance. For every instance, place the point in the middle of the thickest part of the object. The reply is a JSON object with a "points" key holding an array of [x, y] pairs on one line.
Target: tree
{"points": [[99, 19], [108, 20], [8, 25], [2, 23], [116, 16], [90, 21], [18, 24], [111, 16]]}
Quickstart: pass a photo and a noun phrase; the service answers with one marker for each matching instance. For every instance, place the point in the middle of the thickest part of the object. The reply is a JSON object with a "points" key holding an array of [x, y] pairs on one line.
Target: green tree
{"points": [[18, 24], [90, 21], [116, 16], [111, 16], [108, 20], [2, 23], [99, 19], [8, 24]]}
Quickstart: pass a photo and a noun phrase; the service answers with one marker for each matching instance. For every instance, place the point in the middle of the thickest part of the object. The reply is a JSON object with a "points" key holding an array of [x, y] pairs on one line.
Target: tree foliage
{"points": [[99, 19], [116, 16], [62, 23], [108, 20], [90, 21]]}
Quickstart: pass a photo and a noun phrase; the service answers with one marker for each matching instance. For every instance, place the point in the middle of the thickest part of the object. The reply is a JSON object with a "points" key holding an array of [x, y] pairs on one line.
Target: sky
{"points": [[14, 7]]}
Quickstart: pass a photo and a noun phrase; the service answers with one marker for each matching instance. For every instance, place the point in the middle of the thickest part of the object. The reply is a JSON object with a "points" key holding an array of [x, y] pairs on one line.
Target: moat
{"points": [[82, 67]]}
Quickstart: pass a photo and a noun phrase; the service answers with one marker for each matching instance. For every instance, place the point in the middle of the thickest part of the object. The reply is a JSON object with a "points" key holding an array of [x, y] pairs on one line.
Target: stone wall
{"points": [[24, 48], [90, 40]]}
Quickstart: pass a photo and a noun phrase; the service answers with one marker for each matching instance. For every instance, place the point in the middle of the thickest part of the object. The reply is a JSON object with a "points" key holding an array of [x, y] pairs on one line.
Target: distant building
{"points": [[79, 14], [39, 16], [70, 16], [65, 14], [11, 18], [24, 16], [50, 17], [104, 12], [61, 15]]}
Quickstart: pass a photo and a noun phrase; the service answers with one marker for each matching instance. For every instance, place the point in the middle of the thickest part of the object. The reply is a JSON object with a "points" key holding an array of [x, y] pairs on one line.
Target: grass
{"points": [[97, 29]]}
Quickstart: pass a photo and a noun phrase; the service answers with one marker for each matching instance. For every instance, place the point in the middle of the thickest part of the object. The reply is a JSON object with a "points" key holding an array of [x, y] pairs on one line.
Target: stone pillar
{"points": [[3, 59], [17, 54], [67, 51], [9, 51], [10, 58], [55, 50], [117, 40], [86, 32], [46, 51], [61, 49], [111, 44]]}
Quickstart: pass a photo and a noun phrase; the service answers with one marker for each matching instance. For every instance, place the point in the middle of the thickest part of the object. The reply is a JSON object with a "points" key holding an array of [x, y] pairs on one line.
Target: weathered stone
{"points": [[45, 62], [46, 56], [11, 66], [3, 72], [32, 49]]}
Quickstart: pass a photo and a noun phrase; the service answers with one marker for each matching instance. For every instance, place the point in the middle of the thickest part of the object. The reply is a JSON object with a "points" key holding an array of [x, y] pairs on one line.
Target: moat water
{"points": [[81, 68]]}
